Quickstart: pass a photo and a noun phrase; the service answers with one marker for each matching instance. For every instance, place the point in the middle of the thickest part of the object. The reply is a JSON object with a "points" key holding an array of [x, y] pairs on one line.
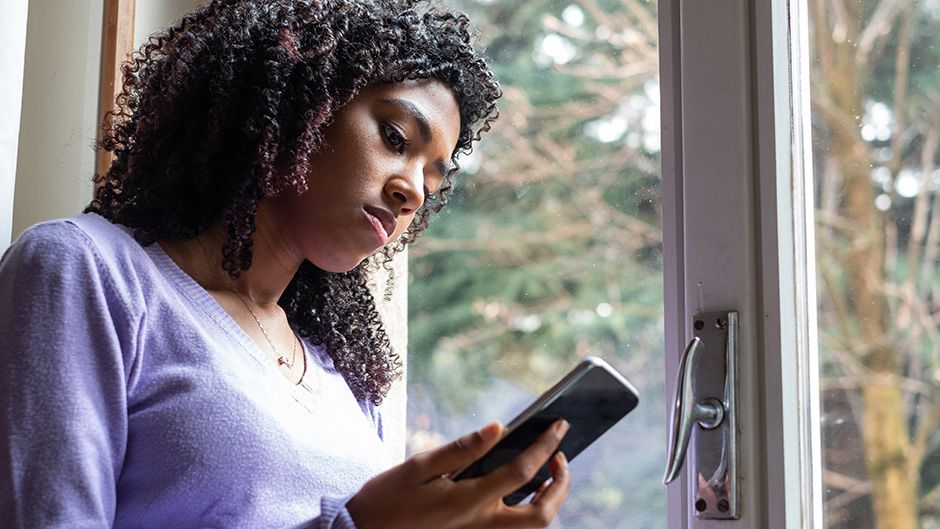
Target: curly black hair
{"points": [[226, 107]]}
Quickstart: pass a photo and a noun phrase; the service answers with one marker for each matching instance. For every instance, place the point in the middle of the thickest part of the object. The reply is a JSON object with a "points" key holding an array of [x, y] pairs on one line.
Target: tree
{"points": [[551, 248], [876, 125]]}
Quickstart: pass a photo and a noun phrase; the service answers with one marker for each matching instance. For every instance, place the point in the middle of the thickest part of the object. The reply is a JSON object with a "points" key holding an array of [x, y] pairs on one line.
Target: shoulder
{"points": [[85, 236], [86, 251], [48, 247]]}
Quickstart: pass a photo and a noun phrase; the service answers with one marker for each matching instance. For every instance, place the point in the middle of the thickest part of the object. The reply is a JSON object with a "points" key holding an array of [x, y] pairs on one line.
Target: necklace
{"points": [[281, 359]]}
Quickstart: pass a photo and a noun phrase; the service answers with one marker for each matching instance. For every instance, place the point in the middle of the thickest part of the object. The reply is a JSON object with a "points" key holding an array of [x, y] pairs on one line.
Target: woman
{"points": [[199, 349]]}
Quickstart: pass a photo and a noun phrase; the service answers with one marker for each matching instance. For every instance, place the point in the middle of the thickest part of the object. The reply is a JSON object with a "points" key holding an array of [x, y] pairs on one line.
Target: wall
{"points": [[59, 106], [59, 113], [151, 16], [395, 316], [12, 51]]}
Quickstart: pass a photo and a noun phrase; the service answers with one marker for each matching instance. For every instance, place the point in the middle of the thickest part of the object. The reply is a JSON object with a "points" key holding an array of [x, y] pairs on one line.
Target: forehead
{"points": [[431, 97]]}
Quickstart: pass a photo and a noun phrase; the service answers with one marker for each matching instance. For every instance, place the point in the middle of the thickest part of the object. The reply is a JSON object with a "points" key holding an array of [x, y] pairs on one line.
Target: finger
{"points": [[540, 490], [456, 454], [523, 467], [544, 507], [557, 459], [553, 495]]}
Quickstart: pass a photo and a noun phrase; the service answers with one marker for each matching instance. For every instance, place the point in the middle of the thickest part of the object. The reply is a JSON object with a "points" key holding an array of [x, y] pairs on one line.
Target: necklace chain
{"points": [[281, 359]]}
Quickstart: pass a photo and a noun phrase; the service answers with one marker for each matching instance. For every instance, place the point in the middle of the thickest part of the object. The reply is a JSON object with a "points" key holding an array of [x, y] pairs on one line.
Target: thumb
{"points": [[459, 453]]}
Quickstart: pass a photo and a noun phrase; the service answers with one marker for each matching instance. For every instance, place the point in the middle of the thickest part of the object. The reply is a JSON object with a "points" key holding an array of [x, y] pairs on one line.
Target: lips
{"points": [[386, 221]]}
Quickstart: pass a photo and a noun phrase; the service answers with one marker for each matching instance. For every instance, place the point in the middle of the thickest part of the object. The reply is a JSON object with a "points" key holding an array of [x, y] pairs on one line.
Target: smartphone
{"points": [[592, 398]]}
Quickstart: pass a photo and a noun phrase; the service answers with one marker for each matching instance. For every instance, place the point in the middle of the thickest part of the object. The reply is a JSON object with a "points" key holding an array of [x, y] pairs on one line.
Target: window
{"points": [[551, 248], [876, 126], [566, 238]]}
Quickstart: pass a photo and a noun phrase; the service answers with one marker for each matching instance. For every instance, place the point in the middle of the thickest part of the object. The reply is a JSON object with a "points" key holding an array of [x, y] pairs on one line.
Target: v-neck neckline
{"points": [[203, 299]]}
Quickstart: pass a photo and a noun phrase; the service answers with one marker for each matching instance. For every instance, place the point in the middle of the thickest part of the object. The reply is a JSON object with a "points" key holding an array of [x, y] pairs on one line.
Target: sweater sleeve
{"points": [[333, 514], [66, 339]]}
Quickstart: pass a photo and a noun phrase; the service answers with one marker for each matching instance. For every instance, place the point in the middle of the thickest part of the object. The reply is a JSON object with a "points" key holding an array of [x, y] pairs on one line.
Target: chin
{"points": [[337, 266]]}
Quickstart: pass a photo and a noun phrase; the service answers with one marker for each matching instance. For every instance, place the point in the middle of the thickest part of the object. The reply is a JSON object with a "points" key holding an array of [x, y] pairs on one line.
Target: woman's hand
{"points": [[418, 494]]}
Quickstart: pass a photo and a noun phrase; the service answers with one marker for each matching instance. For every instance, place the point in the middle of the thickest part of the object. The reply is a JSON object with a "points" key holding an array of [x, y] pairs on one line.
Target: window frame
{"points": [[749, 247], [12, 57], [763, 238]]}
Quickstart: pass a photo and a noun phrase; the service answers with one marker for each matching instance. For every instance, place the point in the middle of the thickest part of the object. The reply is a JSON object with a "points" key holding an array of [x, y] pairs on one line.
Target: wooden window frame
{"points": [[117, 44]]}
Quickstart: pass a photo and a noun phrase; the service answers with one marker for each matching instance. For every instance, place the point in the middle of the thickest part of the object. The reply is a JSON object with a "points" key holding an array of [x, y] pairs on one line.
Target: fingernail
{"points": [[490, 431], [563, 458], [561, 427]]}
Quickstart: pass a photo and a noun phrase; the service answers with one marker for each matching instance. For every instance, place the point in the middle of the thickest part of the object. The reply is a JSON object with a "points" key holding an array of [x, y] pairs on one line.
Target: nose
{"points": [[406, 191]]}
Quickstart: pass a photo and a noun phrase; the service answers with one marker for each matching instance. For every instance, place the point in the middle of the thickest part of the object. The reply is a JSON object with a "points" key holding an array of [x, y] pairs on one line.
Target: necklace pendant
{"points": [[283, 361]]}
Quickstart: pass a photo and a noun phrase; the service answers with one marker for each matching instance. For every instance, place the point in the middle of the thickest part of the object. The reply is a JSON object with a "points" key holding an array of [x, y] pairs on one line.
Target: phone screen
{"points": [[592, 403]]}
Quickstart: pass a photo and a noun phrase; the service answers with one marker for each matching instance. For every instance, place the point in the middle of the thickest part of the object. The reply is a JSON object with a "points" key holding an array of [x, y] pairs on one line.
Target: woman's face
{"points": [[384, 153]]}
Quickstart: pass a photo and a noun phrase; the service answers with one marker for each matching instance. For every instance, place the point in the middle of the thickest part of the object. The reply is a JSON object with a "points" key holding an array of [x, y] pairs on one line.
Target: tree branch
{"points": [[927, 426], [837, 119], [879, 25], [902, 67], [908, 384], [853, 489]]}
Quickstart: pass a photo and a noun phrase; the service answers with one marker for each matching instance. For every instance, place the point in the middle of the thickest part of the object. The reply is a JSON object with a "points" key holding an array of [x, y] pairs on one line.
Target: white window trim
{"points": [[737, 236], [793, 493], [12, 54]]}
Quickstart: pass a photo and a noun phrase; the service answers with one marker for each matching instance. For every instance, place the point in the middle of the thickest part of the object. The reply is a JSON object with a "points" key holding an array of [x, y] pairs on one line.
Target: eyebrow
{"points": [[423, 126]]}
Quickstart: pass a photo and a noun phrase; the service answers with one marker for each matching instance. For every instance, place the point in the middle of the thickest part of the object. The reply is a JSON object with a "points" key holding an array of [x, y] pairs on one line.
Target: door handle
{"points": [[708, 412], [705, 394]]}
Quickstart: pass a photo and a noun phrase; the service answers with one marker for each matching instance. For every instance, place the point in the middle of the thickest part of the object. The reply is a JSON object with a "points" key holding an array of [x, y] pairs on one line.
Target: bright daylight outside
{"points": [[875, 95], [550, 248]]}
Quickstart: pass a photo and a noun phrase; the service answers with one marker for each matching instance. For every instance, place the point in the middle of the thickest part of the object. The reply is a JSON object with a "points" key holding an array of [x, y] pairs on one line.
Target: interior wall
{"points": [[55, 152], [151, 16], [12, 52], [55, 156]]}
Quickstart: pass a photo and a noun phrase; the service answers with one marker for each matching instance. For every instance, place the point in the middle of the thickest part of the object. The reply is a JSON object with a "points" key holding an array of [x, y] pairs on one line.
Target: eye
{"points": [[394, 138]]}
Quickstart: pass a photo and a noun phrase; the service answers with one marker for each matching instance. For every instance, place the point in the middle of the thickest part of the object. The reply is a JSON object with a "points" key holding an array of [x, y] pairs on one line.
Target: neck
{"points": [[273, 265]]}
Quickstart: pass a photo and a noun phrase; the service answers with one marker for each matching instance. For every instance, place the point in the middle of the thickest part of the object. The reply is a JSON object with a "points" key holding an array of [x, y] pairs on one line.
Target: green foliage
{"points": [[551, 249]]}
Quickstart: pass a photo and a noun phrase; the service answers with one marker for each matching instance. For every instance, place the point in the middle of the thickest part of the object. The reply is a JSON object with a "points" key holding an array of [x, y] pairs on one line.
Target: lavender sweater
{"points": [[130, 398]]}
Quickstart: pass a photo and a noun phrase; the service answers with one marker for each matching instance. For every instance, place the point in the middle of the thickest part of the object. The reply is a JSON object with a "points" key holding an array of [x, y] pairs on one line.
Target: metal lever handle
{"points": [[709, 413]]}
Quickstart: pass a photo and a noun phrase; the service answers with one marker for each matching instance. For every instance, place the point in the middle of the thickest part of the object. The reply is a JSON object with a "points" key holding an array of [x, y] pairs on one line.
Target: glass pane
{"points": [[876, 123], [550, 249]]}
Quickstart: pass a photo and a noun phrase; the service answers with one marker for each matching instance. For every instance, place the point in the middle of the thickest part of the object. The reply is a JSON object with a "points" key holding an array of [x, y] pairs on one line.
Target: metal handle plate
{"points": [[705, 395]]}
